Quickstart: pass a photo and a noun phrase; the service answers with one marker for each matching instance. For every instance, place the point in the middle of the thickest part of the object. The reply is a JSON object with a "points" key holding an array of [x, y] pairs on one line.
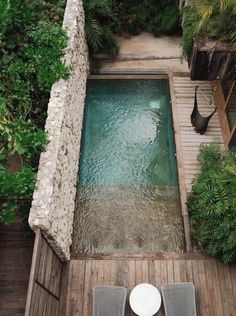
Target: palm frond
{"points": [[100, 7], [110, 42], [205, 11], [93, 33]]}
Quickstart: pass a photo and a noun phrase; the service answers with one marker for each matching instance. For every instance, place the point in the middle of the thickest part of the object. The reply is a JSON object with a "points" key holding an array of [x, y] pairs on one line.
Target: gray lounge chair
{"points": [[109, 300], [179, 299]]}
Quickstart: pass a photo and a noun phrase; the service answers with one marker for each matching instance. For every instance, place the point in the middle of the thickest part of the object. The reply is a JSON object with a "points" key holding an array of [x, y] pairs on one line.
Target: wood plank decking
{"points": [[187, 141], [15, 260], [190, 141], [215, 283]]}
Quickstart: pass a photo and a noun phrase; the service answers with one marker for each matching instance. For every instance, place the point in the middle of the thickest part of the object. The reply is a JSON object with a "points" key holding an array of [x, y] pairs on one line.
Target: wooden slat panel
{"points": [[44, 304], [220, 102], [45, 280], [50, 269]]}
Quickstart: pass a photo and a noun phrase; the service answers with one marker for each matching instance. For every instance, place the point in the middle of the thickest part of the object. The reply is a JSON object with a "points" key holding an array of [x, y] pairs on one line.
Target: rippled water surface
{"points": [[128, 199]]}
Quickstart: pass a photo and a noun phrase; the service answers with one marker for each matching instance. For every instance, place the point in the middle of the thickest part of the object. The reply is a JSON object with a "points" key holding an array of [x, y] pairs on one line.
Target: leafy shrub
{"points": [[32, 43], [213, 18], [212, 203]]}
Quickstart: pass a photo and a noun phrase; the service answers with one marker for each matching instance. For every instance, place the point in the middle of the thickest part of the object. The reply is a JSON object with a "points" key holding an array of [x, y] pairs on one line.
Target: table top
{"points": [[145, 299]]}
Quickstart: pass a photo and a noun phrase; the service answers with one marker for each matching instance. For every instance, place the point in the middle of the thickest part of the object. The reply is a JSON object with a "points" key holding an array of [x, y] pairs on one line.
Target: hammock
{"points": [[199, 122]]}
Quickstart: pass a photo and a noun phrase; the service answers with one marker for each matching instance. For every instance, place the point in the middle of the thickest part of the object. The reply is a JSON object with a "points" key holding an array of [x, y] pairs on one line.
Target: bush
{"points": [[32, 43], [212, 203]]}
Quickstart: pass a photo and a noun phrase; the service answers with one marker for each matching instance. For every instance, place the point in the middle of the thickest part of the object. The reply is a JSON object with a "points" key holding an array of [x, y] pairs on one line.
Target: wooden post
{"points": [[220, 103], [37, 244], [181, 4]]}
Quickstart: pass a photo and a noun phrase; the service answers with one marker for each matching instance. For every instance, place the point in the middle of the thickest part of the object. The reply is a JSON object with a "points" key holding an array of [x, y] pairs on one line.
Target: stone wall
{"points": [[53, 201]]}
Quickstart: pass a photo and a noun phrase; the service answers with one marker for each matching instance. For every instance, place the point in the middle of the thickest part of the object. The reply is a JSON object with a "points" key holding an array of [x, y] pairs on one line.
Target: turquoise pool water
{"points": [[128, 199]]}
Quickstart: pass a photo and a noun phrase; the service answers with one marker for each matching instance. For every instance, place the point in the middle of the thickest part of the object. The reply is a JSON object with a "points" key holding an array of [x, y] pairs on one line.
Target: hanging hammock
{"points": [[199, 122]]}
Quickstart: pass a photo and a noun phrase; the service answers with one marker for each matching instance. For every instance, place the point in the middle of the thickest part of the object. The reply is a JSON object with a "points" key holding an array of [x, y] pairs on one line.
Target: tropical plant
{"points": [[32, 43], [156, 17], [99, 16], [212, 203], [104, 19], [213, 18]]}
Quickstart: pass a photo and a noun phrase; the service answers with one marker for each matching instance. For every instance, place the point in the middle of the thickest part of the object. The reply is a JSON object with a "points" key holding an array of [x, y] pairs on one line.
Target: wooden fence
{"points": [[44, 289], [226, 105], [212, 60]]}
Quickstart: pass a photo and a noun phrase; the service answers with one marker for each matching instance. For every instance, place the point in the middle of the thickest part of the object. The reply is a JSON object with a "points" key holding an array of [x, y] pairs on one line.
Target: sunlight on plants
{"points": [[212, 203], [213, 18]]}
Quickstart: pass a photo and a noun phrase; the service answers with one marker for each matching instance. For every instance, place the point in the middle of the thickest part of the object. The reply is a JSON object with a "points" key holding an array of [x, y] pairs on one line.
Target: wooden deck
{"points": [[190, 141], [187, 141], [215, 283], [15, 260]]}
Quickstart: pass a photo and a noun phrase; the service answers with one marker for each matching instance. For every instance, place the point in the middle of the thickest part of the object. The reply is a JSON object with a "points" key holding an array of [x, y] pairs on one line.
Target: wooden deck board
{"points": [[214, 282]]}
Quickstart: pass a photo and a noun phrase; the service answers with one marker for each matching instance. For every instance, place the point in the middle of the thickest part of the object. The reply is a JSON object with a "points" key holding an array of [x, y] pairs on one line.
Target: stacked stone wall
{"points": [[54, 197]]}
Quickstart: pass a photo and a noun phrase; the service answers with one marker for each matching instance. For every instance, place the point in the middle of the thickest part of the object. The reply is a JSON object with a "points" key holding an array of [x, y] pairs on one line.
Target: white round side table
{"points": [[145, 299]]}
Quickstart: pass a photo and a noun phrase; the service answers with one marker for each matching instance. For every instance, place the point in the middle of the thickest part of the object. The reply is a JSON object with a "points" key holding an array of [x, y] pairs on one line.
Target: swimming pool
{"points": [[128, 197]]}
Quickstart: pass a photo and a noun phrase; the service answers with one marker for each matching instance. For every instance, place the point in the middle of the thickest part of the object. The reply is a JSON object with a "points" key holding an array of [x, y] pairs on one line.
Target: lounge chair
{"points": [[109, 300], [200, 123], [179, 299]]}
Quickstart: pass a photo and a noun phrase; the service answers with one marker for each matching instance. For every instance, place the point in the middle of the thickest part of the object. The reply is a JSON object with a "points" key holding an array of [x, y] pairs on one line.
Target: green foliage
{"points": [[99, 15], [32, 43], [213, 18], [19, 184], [156, 17], [212, 203], [23, 138], [15, 188], [8, 212], [108, 17]]}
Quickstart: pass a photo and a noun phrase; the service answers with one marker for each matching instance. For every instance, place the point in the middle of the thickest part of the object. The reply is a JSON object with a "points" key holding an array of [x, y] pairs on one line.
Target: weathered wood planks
{"points": [[212, 60], [45, 280], [15, 259], [190, 141], [214, 282]]}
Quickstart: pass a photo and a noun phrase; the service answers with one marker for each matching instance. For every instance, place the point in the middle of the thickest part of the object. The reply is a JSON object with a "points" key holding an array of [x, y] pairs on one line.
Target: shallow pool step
{"points": [[127, 225]]}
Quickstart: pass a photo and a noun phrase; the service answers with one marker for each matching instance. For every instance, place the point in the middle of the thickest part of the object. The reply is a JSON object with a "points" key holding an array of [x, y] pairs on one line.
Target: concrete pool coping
{"points": [[136, 71]]}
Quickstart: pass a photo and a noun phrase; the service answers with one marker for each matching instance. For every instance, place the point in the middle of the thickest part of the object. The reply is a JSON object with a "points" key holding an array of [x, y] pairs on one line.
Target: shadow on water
{"points": [[128, 198]]}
